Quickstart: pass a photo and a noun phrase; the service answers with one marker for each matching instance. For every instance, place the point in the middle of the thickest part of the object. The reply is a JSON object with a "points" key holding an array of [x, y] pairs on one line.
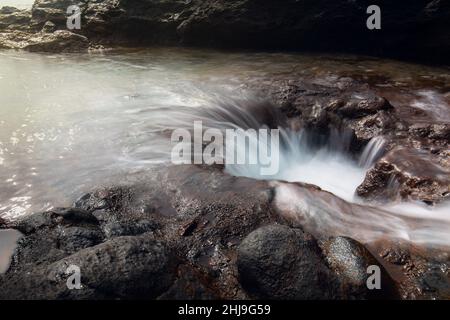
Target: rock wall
{"points": [[412, 29]]}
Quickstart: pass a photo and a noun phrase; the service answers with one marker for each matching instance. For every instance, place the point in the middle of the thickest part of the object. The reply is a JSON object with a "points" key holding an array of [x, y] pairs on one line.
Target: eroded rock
{"points": [[406, 174]]}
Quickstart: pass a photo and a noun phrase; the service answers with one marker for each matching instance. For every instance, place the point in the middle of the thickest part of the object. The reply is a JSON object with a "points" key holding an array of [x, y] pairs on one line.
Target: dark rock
{"points": [[359, 105], [75, 215], [435, 282], [12, 19], [350, 260], [49, 27], [406, 173], [73, 239], [2, 223], [108, 198], [58, 41], [191, 284], [396, 255], [128, 228], [128, 267], [66, 216], [420, 31], [8, 10], [278, 262]]}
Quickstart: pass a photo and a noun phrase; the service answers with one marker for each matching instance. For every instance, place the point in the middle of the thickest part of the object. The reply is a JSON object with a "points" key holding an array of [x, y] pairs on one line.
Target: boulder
{"points": [[125, 267], [350, 260], [278, 262]]}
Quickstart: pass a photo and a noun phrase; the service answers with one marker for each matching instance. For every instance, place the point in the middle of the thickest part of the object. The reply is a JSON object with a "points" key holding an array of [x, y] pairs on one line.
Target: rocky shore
{"points": [[194, 232], [417, 30]]}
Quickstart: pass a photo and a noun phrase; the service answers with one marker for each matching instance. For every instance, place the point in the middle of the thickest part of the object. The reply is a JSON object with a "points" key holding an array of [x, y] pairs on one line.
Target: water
{"points": [[69, 123], [20, 4]]}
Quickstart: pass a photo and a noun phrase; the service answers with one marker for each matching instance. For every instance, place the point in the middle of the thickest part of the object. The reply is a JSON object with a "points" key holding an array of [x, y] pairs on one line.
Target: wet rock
{"points": [[359, 105], [350, 260], [439, 132], [125, 267], [113, 199], [49, 27], [58, 216], [73, 239], [191, 284], [74, 215], [58, 41], [132, 267], [301, 25], [396, 255], [14, 19], [128, 228], [8, 10], [407, 174], [50, 10], [278, 262], [434, 283], [2, 223]]}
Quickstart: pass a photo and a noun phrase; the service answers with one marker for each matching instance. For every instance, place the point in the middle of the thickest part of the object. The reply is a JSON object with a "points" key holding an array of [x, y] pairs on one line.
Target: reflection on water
{"points": [[72, 122]]}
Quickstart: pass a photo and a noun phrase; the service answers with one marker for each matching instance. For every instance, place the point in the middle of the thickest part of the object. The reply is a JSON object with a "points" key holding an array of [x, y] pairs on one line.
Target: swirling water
{"points": [[69, 123]]}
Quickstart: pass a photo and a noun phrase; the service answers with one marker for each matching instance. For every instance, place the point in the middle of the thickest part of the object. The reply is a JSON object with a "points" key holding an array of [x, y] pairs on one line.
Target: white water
{"points": [[69, 123]]}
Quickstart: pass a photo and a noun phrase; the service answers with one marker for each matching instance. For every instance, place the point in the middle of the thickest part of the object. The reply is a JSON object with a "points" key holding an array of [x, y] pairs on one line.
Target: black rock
{"points": [[350, 260], [278, 262]]}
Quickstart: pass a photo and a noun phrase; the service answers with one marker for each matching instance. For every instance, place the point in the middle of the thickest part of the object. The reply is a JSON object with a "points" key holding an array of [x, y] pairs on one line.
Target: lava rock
{"points": [[406, 174], [350, 260], [8, 10], [14, 19], [127, 267], [49, 27], [420, 31], [362, 105], [278, 262], [128, 228], [75, 215], [58, 41]]}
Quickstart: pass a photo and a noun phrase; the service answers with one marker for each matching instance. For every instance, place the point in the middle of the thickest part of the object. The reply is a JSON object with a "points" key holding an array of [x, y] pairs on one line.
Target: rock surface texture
{"points": [[419, 29]]}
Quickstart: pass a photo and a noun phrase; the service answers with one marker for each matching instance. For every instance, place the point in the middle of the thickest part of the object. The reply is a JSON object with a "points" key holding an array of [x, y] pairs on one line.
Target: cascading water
{"points": [[324, 162], [71, 123]]}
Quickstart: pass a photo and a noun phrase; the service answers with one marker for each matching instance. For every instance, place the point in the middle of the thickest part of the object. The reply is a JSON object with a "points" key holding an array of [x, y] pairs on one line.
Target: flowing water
{"points": [[69, 123], [20, 4]]}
